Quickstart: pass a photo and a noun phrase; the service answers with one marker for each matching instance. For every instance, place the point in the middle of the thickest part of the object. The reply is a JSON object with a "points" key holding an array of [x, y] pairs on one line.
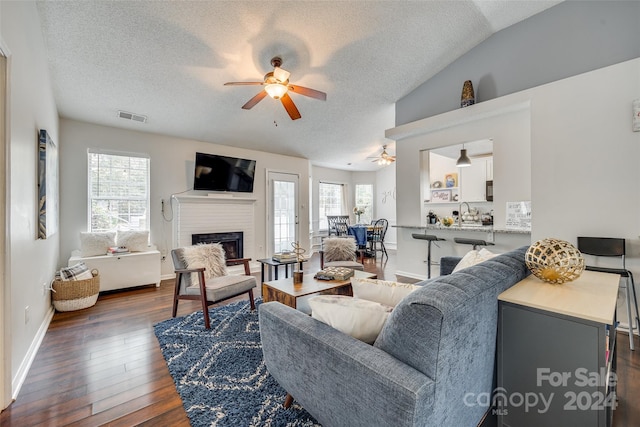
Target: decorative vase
{"points": [[554, 261], [468, 97], [297, 277]]}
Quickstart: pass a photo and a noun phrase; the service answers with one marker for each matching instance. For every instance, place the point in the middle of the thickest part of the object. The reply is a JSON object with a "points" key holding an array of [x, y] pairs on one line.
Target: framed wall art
{"points": [[47, 186], [440, 195]]}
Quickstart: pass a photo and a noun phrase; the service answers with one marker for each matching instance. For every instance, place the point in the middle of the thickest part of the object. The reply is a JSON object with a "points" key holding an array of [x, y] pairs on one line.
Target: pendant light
{"points": [[463, 161]]}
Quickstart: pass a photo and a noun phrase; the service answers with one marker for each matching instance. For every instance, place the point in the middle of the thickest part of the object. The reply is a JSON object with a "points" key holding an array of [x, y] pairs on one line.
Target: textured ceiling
{"points": [[168, 60]]}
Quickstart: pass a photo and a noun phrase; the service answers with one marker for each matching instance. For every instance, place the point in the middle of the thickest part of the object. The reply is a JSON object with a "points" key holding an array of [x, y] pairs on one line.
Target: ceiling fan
{"points": [[384, 158], [276, 85]]}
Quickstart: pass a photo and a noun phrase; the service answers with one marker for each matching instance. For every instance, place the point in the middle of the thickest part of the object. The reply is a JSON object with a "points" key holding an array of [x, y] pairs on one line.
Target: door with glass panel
{"points": [[283, 211]]}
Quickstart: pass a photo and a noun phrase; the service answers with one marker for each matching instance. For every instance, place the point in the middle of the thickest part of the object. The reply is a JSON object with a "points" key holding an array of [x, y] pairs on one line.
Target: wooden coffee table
{"points": [[287, 293]]}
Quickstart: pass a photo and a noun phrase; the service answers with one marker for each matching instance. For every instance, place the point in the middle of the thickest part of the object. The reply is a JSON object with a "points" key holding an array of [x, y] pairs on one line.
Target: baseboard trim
{"points": [[23, 370]]}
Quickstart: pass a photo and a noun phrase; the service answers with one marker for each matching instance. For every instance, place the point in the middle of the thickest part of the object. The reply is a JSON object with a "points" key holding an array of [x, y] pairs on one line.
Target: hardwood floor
{"points": [[103, 365]]}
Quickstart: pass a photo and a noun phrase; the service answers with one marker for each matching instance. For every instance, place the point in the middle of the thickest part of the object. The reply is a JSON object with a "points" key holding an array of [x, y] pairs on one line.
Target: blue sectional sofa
{"points": [[433, 357]]}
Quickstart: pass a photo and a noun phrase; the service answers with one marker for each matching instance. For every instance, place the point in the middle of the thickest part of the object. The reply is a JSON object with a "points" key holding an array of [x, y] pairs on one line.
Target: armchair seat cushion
{"points": [[219, 288], [348, 264]]}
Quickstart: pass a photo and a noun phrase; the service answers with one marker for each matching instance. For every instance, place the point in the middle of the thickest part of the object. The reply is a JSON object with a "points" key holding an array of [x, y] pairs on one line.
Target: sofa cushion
{"points": [[222, 287], [383, 291], [210, 256], [354, 265], [474, 257], [93, 244], [133, 240], [359, 318]]}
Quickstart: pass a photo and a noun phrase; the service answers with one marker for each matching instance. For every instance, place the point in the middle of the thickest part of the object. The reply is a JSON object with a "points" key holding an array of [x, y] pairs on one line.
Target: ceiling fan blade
{"points": [[281, 74], [253, 101], [312, 93], [243, 83], [291, 108]]}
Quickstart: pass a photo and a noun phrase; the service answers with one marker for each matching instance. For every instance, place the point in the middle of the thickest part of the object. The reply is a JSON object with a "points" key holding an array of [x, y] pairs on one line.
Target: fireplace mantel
{"points": [[216, 198]]}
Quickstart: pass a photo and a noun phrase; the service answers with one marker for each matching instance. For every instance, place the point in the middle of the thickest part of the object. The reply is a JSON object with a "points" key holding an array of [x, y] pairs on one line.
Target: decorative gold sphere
{"points": [[554, 261]]}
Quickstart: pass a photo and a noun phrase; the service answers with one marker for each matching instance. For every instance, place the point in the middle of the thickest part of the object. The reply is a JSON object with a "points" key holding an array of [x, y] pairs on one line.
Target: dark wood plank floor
{"points": [[103, 365]]}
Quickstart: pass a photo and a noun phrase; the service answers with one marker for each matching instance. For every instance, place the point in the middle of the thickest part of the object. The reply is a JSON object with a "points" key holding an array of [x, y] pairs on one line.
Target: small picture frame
{"points": [[451, 180], [440, 195]]}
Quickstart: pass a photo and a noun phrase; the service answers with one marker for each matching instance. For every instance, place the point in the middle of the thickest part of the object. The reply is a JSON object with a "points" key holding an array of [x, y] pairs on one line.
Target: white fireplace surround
{"points": [[214, 214]]}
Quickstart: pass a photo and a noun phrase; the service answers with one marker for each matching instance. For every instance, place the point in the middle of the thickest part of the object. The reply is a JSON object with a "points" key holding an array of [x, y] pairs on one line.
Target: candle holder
{"points": [[297, 269]]}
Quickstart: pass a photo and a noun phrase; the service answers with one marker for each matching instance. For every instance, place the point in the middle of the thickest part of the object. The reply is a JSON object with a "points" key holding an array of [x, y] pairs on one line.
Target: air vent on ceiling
{"points": [[131, 116]]}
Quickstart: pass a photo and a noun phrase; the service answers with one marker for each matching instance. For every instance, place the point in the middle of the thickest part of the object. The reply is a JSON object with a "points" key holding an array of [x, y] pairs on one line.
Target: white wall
{"points": [[383, 181], [385, 201], [572, 138], [32, 262], [172, 164]]}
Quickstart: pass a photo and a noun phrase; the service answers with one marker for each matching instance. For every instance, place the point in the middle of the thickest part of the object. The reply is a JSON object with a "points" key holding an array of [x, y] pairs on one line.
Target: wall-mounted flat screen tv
{"points": [[222, 173]]}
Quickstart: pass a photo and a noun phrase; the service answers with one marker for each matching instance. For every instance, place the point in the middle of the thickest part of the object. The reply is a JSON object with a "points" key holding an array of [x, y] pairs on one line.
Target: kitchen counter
{"points": [[456, 227]]}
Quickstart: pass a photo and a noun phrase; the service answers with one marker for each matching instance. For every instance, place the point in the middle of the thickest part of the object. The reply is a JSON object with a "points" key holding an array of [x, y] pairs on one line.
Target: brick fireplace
{"points": [[227, 218]]}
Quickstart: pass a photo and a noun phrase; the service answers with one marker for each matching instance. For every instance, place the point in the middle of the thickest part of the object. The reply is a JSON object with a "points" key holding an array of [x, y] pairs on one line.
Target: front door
{"points": [[283, 211]]}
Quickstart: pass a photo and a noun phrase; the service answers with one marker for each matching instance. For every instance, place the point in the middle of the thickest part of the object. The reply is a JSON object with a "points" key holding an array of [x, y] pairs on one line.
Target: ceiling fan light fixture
{"points": [[463, 161], [276, 90]]}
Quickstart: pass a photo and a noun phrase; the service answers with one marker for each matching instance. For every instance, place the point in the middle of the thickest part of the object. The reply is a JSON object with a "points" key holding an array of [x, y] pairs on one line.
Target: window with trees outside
{"points": [[118, 191], [364, 202], [330, 202]]}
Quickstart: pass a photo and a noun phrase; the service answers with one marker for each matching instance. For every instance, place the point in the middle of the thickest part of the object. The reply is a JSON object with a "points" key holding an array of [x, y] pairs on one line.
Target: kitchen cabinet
{"points": [[473, 181], [556, 352]]}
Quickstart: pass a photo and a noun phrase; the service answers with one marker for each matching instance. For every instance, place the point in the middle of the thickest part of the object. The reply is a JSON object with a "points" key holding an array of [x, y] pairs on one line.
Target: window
{"points": [[118, 191], [364, 199], [330, 202]]}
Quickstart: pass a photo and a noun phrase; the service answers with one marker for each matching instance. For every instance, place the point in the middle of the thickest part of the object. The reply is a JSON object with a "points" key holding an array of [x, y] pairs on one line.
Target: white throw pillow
{"points": [[382, 291], [359, 318], [474, 257], [135, 241], [210, 256], [92, 244]]}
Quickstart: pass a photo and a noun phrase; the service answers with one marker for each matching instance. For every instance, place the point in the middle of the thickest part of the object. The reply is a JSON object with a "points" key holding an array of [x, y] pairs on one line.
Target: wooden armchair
{"points": [[341, 252], [210, 290]]}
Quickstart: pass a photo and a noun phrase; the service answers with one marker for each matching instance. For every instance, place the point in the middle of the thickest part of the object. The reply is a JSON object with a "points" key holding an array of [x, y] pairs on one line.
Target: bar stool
{"points": [[429, 238], [473, 242]]}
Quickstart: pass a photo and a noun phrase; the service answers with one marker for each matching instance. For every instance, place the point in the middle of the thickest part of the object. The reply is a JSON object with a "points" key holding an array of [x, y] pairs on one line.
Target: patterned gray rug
{"points": [[220, 373]]}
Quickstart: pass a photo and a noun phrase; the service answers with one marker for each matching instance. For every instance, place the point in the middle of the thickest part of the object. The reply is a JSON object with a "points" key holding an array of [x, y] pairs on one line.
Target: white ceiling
{"points": [[168, 60]]}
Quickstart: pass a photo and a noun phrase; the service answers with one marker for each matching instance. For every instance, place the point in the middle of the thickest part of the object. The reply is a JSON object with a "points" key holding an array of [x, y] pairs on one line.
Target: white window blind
{"points": [[331, 199], [118, 191]]}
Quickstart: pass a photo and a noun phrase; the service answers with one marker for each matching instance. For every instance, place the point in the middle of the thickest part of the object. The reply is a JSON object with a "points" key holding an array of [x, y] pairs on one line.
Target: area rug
{"points": [[220, 373]]}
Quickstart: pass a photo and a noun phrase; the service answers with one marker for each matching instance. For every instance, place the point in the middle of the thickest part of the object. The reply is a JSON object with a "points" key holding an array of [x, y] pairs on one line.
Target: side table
{"points": [[273, 264]]}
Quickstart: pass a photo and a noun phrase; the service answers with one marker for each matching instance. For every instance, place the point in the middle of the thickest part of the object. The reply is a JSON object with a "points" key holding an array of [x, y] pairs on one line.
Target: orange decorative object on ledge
{"points": [[554, 261]]}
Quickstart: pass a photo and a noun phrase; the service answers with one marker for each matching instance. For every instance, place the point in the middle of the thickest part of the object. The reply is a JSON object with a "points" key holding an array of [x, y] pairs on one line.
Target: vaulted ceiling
{"points": [[169, 60]]}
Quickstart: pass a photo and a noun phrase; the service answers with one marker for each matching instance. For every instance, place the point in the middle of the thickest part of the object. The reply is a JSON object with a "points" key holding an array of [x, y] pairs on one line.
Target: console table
{"points": [[556, 352]]}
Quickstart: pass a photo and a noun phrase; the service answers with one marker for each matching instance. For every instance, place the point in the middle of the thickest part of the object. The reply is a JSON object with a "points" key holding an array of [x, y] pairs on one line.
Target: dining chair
{"points": [[376, 238], [338, 225]]}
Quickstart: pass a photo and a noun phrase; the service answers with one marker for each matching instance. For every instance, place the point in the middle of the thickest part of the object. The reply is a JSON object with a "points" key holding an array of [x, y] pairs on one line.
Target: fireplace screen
{"points": [[230, 241]]}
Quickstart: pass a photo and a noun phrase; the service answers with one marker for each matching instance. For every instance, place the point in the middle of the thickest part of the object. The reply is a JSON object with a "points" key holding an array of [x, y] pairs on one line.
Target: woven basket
{"points": [[73, 295]]}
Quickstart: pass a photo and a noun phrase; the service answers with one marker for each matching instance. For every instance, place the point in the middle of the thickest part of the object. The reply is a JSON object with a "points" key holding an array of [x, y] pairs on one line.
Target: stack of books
{"points": [[117, 250], [334, 273], [284, 256]]}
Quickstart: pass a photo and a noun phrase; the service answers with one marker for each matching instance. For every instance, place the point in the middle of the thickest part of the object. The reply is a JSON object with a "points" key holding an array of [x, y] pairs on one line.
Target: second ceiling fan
{"points": [[276, 84]]}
